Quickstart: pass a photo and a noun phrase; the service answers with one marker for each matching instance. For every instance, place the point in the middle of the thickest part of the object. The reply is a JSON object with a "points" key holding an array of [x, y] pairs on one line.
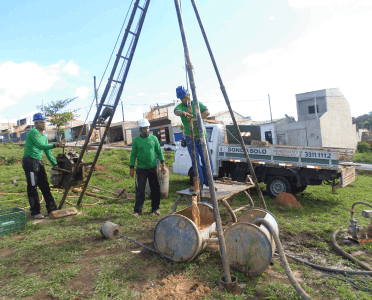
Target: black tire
{"points": [[277, 185], [191, 175], [296, 190]]}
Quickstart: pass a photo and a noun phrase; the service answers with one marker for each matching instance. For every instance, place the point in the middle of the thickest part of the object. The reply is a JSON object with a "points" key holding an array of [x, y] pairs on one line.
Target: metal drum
{"points": [[177, 236], [250, 248]]}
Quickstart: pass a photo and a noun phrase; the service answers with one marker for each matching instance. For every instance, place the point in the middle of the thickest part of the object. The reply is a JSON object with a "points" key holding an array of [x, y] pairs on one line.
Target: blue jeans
{"points": [[199, 156]]}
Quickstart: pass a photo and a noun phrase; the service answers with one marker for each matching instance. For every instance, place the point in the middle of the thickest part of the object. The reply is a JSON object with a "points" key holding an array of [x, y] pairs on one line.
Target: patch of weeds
{"points": [[278, 291], [109, 287], [23, 286], [62, 293], [64, 275], [10, 271]]}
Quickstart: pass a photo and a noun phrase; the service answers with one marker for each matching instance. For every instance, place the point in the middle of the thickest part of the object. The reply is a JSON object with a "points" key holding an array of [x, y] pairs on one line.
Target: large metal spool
{"points": [[177, 236], [250, 248]]}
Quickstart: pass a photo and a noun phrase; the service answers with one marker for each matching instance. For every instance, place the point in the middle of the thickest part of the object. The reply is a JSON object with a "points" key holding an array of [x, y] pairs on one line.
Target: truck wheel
{"points": [[277, 185], [191, 175], [296, 190]]}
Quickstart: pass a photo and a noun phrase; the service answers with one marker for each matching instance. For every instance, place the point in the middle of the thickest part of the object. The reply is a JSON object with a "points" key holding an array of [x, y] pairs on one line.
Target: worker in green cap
{"points": [[36, 145]]}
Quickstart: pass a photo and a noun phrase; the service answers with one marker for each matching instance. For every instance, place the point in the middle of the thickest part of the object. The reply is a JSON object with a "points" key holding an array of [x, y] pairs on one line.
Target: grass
{"points": [[68, 259], [363, 157]]}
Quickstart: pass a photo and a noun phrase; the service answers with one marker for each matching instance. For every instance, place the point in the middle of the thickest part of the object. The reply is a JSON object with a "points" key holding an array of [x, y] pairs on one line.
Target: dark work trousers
{"points": [[36, 176], [141, 178]]}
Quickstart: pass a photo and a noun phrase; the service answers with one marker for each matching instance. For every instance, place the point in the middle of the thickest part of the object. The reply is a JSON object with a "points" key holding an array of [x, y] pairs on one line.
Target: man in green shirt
{"points": [[36, 144], [146, 149], [181, 110]]}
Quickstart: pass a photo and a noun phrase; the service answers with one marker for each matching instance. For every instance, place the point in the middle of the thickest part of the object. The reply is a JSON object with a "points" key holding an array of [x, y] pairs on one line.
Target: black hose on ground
{"points": [[352, 207], [345, 254], [344, 272], [286, 266]]}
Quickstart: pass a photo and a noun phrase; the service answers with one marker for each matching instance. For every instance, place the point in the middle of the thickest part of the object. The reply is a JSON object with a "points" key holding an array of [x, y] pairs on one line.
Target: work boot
{"points": [[38, 216], [157, 212]]}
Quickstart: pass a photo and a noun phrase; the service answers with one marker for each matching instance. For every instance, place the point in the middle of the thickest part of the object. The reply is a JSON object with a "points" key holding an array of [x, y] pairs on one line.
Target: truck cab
{"points": [[182, 161]]}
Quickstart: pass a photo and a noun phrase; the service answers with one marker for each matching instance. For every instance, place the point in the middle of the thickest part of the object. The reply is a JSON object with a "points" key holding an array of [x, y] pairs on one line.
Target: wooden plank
{"points": [[63, 213]]}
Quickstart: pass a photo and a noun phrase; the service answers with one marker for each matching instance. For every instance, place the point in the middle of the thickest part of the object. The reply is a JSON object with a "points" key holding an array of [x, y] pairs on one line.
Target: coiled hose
{"points": [[286, 266], [345, 254], [328, 269]]}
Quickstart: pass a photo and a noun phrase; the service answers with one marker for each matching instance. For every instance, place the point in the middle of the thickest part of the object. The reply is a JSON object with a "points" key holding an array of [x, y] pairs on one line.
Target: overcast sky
{"points": [[51, 50]]}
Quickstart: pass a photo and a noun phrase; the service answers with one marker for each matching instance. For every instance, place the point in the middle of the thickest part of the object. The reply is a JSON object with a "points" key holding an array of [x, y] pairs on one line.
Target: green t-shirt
{"points": [[186, 125], [145, 150], [36, 144]]}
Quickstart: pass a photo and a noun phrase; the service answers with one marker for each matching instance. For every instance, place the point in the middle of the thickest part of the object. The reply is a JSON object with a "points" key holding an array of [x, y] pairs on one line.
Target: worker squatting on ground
{"points": [[146, 148], [181, 110], [36, 144]]}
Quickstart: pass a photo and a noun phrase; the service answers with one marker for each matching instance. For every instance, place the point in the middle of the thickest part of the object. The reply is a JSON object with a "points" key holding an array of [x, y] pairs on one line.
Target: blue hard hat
{"points": [[181, 92], [39, 117]]}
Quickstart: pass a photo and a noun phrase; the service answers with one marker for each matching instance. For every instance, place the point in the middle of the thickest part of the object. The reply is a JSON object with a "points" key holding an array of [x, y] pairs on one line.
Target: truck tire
{"points": [[191, 176], [277, 185], [296, 190]]}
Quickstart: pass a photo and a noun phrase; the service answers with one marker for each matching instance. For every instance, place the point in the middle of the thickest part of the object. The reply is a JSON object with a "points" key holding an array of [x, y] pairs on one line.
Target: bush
{"points": [[364, 147]]}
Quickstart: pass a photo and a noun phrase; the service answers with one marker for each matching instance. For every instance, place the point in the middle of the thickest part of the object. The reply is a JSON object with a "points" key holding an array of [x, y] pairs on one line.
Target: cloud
{"points": [[302, 4], [272, 18], [264, 59], [82, 93], [141, 94], [332, 54], [71, 68], [20, 80]]}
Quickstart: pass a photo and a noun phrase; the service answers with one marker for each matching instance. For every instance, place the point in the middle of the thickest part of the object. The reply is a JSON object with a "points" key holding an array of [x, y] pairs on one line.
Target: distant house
{"points": [[324, 120], [225, 117], [163, 122]]}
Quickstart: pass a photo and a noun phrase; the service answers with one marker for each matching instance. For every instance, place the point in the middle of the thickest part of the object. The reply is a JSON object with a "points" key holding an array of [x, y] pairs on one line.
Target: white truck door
{"points": [[212, 141]]}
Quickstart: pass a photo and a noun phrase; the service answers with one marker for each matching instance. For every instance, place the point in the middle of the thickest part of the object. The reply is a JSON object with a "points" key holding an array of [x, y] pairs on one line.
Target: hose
{"points": [[286, 266], [344, 272], [352, 207], [345, 254]]}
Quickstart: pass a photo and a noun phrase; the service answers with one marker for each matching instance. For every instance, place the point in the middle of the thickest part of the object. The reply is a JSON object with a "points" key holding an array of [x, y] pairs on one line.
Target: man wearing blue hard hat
{"points": [[36, 145], [181, 110]]}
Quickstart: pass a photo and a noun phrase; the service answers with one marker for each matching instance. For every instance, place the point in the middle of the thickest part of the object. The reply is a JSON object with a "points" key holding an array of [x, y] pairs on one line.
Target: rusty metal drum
{"points": [[250, 248], [177, 236]]}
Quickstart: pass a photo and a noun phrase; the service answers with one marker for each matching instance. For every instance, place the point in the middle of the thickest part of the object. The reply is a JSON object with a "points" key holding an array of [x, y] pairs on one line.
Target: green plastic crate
{"points": [[12, 219]]}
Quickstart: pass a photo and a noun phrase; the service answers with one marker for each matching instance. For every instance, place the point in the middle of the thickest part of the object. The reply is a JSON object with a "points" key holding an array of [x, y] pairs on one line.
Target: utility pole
{"points": [[96, 95], [122, 109], [43, 106], [271, 116]]}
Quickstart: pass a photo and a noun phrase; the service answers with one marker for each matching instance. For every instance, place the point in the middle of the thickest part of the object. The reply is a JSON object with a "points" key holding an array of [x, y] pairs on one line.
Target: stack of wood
{"points": [[260, 143]]}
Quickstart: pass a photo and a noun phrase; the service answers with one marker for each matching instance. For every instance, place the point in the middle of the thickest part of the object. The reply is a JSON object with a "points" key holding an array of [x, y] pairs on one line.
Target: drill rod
{"points": [[217, 217]]}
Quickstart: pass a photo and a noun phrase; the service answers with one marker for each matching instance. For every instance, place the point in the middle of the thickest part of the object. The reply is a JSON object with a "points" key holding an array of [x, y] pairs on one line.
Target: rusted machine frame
{"points": [[229, 106], [221, 238], [104, 96]]}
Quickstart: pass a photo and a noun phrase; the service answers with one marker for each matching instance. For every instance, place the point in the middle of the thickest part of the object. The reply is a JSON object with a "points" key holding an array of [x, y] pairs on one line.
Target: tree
{"points": [[55, 110], [364, 147]]}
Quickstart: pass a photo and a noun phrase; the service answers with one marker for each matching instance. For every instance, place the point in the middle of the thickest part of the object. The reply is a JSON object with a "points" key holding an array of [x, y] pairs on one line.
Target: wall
{"points": [[306, 133], [303, 101], [225, 117], [337, 128], [268, 127]]}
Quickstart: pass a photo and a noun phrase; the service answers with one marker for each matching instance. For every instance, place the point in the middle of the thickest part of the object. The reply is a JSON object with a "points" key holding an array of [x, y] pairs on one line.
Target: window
{"points": [[209, 132], [312, 109]]}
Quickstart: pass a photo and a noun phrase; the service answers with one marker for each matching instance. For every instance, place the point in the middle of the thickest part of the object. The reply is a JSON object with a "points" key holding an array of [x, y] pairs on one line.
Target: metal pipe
{"points": [[142, 245], [285, 263], [217, 217], [229, 106]]}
